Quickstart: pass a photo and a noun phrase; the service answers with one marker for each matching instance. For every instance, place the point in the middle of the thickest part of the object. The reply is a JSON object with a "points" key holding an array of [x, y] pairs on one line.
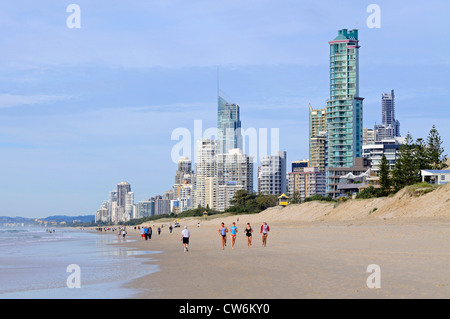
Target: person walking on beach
{"points": [[170, 228], [146, 232], [248, 234], [265, 232], [150, 231], [124, 233], [142, 230], [185, 235], [159, 230], [233, 233], [223, 232]]}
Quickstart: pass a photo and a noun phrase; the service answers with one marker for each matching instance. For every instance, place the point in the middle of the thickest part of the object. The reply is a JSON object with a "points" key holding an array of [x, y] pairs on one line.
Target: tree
{"points": [[385, 181], [422, 156], [406, 171], [245, 202], [295, 199], [435, 150]]}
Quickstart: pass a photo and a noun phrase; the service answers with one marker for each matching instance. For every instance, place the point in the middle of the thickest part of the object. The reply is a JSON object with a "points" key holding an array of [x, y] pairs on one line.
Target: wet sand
{"points": [[301, 260]]}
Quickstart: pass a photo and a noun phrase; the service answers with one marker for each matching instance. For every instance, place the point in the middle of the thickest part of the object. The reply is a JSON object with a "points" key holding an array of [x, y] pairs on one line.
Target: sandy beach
{"points": [[309, 260], [314, 250]]}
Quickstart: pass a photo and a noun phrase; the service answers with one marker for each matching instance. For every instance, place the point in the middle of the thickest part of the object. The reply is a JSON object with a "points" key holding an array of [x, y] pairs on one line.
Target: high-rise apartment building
{"points": [[205, 167], [235, 166], [123, 189], [183, 185], [271, 174], [344, 111], [234, 171], [129, 204], [102, 214], [124, 206], [145, 208], [211, 189], [229, 133], [225, 194], [317, 138]]}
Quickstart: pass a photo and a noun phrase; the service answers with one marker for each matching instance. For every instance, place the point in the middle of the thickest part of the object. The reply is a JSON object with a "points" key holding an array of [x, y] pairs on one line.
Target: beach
{"points": [[400, 244], [319, 259], [394, 247]]}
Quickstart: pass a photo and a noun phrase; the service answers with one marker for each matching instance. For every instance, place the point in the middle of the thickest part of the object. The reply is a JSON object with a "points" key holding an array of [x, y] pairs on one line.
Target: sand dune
{"points": [[435, 204], [403, 204]]}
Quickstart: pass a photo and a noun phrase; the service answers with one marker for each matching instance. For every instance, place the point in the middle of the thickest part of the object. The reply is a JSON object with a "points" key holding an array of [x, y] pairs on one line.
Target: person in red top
{"points": [[265, 232]]}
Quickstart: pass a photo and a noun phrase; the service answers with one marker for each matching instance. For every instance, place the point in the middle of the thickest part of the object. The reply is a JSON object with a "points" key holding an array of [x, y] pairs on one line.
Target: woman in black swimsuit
{"points": [[248, 233]]}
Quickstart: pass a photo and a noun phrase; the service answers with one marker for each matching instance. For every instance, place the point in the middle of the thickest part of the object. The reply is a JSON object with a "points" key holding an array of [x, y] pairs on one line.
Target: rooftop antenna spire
{"points": [[217, 81]]}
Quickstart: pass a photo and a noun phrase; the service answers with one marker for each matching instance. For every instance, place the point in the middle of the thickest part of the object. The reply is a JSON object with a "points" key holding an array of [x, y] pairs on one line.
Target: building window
{"points": [[442, 177]]}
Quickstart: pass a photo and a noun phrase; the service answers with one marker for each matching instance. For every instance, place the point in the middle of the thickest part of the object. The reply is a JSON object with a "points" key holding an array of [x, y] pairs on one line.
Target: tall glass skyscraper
{"points": [[229, 126], [344, 112], [389, 127]]}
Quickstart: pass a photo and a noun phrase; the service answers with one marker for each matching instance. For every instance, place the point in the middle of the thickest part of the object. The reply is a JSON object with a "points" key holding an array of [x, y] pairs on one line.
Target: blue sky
{"points": [[84, 109]]}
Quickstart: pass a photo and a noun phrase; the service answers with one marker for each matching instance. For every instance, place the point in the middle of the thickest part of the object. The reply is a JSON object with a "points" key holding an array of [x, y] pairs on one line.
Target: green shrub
{"points": [[319, 198], [370, 192]]}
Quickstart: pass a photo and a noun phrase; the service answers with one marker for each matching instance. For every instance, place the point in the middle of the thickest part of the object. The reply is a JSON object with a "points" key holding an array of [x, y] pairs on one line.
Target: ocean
{"points": [[38, 264]]}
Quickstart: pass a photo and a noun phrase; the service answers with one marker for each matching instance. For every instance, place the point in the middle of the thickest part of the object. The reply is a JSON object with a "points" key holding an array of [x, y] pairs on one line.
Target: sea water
{"points": [[34, 264]]}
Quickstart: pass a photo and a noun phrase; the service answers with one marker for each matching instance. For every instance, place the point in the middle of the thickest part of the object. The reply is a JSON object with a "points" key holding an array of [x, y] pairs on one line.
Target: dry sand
{"points": [[314, 250]]}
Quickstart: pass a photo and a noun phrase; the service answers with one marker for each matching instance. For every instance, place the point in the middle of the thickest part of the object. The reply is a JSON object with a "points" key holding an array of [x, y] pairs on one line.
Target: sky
{"points": [[82, 109]]}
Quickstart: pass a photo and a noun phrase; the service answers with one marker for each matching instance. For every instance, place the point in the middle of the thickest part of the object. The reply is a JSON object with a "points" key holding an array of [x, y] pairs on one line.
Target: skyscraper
{"points": [[124, 200], [229, 133], [389, 127], [388, 108], [123, 189], [317, 138], [344, 112]]}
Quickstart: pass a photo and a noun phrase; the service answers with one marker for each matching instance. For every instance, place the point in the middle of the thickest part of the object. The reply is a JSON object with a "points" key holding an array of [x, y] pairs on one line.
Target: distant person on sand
{"points": [[146, 232], [170, 228], [233, 233], [124, 233], [223, 232], [142, 230], [150, 231], [248, 234], [265, 232], [159, 230], [185, 235]]}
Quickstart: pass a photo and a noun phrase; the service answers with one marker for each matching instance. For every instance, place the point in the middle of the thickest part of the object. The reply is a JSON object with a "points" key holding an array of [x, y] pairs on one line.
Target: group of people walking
{"points": [[146, 234], [223, 230]]}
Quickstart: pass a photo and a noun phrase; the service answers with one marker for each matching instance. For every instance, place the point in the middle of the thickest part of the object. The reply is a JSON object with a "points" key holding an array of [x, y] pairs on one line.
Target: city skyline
{"points": [[78, 116]]}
